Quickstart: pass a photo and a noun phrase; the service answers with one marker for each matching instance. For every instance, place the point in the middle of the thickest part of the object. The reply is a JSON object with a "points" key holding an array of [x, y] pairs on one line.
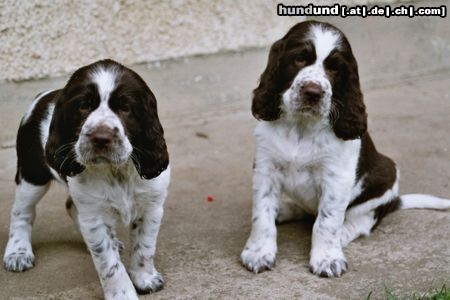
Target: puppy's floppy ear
{"points": [[351, 118], [150, 154], [266, 98], [63, 134]]}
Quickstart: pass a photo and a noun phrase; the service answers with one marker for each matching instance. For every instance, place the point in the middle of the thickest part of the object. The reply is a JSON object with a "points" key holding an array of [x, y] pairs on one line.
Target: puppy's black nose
{"points": [[101, 137], [311, 93]]}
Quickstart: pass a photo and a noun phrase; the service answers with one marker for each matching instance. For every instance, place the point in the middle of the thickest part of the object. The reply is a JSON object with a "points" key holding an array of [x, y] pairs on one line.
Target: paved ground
{"points": [[204, 107]]}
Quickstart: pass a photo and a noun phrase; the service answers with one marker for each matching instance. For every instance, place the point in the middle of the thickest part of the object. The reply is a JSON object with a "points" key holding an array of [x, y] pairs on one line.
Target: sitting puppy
{"points": [[100, 135], [312, 144]]}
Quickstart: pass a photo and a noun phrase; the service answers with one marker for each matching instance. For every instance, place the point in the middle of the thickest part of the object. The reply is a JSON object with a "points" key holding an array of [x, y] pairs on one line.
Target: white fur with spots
{"points": [[299, 155], [102, 194]]}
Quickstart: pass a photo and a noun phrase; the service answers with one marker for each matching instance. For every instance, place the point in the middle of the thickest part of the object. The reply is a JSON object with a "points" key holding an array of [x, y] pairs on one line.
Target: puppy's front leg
{"points": [[144, 232], [261, 248], [100, 241], [18, 253], [327, 258]]}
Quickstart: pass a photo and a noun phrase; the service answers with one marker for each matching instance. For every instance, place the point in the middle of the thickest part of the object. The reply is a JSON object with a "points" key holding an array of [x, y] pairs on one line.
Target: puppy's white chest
{"points": [[302, 175], [306, 161], [114, 192]]}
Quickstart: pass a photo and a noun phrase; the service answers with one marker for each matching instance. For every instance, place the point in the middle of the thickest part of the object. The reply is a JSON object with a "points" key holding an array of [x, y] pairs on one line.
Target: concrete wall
{"points": [[40, 38]]}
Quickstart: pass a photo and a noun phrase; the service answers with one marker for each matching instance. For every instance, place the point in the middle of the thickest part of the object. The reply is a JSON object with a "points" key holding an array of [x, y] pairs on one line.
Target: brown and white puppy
{"points": [[100, 136], [312, 144]]}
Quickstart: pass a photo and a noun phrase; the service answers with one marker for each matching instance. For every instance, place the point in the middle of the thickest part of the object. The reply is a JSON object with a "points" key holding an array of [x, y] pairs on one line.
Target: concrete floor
{"points": [[204, 107]]}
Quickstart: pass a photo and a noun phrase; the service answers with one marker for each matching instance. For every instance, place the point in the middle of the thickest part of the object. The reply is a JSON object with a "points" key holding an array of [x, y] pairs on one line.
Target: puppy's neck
{"points": [[122, 172], [305, 123]]}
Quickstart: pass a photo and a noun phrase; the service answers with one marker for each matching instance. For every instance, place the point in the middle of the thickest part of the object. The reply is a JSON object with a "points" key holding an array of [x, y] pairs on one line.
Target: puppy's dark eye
{"points": [[124, 106], [85, 105], [334, 64], [301, 59]]}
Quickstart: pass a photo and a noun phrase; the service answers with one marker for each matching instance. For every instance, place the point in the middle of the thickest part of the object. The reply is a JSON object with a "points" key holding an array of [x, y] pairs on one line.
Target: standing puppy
{"points": [[101, 136], [312, 144]]}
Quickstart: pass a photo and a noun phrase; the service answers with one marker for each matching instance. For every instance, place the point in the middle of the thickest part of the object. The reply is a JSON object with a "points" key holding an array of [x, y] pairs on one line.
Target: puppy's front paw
{"points": [[19, 259], [258, 257], [328, 265], [146, 282]]}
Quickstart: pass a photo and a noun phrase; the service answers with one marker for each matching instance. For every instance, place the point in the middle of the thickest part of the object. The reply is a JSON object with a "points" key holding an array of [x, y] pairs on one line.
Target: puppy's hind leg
{"points": [[356, 226], [18, 253], [73, 212], [362, 219]]}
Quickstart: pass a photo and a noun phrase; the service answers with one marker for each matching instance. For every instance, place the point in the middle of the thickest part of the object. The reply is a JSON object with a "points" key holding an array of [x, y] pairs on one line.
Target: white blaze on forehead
{"points": [[105, 79], [325, 40]]}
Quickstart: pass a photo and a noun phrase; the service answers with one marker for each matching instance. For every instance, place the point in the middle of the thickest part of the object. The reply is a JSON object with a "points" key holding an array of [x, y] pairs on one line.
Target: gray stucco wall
{"points": [[40, 38]]}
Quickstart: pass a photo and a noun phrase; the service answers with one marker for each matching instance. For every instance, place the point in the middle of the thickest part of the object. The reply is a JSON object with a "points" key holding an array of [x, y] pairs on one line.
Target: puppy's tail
{"points": [[423, 201]]}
